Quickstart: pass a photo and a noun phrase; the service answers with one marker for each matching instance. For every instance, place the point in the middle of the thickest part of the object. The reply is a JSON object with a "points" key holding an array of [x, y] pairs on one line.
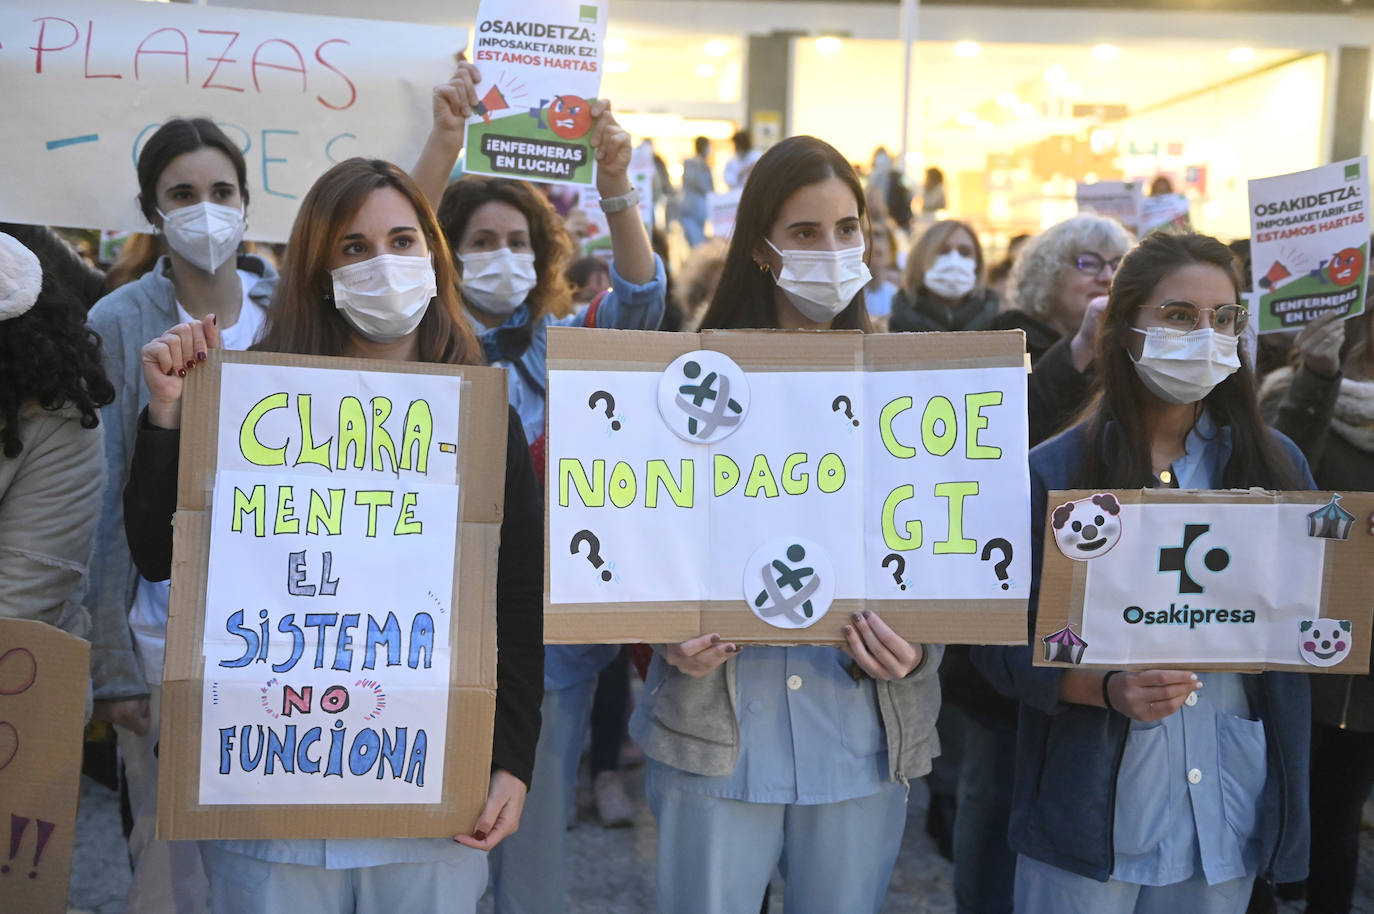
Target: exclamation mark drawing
{"points": [[18, 825]]}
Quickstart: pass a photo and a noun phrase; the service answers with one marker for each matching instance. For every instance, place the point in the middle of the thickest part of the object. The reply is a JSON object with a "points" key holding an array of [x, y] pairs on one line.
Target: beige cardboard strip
{"points": [[472, 682], [1347, 577], [991, 621], [44, 681]]}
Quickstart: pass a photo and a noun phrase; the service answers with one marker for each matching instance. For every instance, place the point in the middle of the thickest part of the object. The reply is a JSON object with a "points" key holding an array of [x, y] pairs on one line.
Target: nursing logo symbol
{"points": [[1175, 558], [789, 582], [703, 396]]}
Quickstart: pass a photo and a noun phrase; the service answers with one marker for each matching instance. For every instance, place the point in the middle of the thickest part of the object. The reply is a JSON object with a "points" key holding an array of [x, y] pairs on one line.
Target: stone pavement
{"points": [[611, 870]]}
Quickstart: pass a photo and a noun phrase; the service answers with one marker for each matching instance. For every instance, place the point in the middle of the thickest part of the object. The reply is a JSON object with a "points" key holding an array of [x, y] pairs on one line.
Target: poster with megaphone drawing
{"points": [[1309, 244], [541, 72], [1236, 580], [766, 485]]}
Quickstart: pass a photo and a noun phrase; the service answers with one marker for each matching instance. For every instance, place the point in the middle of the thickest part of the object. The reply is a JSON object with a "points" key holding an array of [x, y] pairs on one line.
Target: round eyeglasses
{"points": [[1228, 320], [1088, 262]]}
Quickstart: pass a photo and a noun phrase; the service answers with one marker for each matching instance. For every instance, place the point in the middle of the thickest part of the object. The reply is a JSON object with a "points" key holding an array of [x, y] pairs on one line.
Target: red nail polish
{"points": [[715, 639], [190, 363], [200, 357], [849, 629], [181, 372], [868, 614], [854, 616], [480, 835]]}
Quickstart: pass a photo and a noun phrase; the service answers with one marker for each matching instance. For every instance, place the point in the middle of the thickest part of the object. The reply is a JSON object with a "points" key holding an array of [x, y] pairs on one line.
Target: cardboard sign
{"points": [[88, 81], [1207, 581], [541, 72], [1123, 201], [331, 639], [43, 686], [767, 484], [1309, 243]]}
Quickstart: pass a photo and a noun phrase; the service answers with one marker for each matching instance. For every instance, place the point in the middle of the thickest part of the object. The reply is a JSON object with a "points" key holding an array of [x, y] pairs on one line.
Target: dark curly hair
{"points": [[50, 357]]}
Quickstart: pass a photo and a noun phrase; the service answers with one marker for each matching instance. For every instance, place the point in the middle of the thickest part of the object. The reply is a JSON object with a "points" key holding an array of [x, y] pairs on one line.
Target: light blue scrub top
{"points": [[1189, 786], [809, 734]]}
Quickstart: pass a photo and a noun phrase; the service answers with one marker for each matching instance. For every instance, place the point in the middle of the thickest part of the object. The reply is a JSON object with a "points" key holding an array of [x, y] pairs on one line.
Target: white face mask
{"points": [[1181, 367], [384, 298], [952, 275], [498, 281], [821, 284], [206, 234]]}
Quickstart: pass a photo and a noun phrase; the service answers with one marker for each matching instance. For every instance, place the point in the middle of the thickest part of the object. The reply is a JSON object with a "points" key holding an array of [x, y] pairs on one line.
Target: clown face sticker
{"points": [[1088, 527], [1324, 642]]}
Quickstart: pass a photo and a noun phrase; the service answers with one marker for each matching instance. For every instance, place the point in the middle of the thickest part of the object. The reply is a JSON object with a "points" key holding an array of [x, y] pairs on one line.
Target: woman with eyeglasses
{"points": [[1158, 790], [1058, 291]]}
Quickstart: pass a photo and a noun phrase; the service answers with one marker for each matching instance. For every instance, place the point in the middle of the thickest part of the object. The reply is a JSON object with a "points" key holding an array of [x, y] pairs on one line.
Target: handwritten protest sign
{"points": [[331, 642], [43, 688], [764, 485], [87, 81], [1207, 581], [1309, 244], [541, 72]]}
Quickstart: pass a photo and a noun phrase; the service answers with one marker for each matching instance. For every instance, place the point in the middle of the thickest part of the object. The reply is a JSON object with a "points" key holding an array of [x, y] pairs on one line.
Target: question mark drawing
{"points": [[848, 409], [597, 397], [593, 550], [1001, 567], [900, 570]]}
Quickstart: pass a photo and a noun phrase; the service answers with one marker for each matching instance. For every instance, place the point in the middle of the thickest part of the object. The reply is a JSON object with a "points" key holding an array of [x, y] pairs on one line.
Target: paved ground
{"points": [[611, 869]]}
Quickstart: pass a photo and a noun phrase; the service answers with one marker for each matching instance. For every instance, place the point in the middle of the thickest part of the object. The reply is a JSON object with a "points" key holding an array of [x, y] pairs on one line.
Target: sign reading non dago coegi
{"points": [[766, 485], [541, 72]]}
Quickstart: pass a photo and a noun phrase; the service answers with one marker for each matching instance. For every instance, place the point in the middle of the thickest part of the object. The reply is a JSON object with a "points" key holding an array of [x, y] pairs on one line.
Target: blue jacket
{"points": [[1068, 755]]}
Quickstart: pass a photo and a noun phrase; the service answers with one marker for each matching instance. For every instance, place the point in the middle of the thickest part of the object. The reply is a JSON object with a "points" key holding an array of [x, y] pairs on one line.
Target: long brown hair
{"points": [[548, 239], [1123, 461], [303, 318], [744, 297]]}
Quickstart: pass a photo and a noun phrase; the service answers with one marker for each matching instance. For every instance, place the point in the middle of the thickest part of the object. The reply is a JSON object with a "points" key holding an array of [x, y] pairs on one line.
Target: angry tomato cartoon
{"points": [[1346, 266], [570, 117]]}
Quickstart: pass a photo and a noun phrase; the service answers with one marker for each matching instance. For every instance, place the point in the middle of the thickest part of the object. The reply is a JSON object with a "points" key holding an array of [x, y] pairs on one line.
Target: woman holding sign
{"points": [[370, 277], [510, 249], [1143, 791], [193, 189], [797, 757]]}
